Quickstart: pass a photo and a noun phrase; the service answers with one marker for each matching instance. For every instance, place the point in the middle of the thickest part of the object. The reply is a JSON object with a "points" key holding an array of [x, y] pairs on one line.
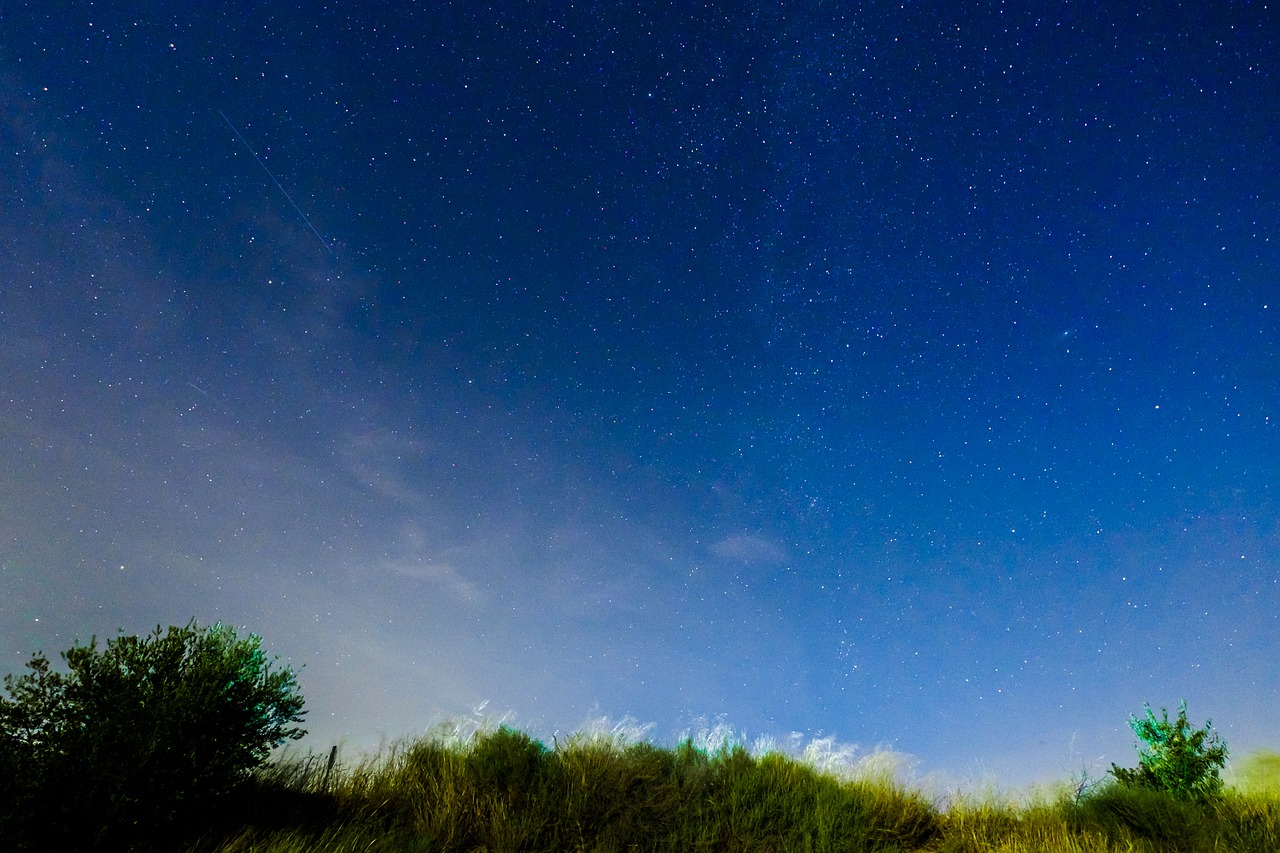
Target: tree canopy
{"points": [[137, 734]]}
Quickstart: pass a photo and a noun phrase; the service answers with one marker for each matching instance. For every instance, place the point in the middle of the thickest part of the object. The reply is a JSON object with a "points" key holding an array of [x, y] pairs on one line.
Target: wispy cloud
{"points": [[749, 548], [439, 574], [376, 459]]}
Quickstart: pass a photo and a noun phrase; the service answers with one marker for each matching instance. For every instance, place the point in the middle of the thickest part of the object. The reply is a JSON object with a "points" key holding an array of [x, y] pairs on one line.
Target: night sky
{"points": [[903, 373]]}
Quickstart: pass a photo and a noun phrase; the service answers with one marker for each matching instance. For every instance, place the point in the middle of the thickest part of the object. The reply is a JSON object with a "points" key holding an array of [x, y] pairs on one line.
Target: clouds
{"points": [[440, 575], [751, 548], [586, 413], [377, 457]]}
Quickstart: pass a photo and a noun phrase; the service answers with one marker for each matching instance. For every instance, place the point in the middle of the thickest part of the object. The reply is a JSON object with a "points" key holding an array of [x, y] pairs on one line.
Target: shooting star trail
{"points": [[220, 404], [240, 136]]}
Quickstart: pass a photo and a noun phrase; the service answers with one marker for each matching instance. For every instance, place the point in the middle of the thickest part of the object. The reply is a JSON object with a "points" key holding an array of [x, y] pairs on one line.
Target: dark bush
{"points": [[140, 737], [506, 762], [1122, 813]]}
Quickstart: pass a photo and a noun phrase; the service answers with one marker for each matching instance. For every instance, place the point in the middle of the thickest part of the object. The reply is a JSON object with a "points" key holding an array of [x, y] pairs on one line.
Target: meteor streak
{"points": [[240, 136]]}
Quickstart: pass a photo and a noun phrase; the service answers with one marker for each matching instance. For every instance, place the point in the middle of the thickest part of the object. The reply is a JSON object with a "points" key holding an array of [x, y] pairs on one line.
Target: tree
{"points": [[1183, 761], [142, 733]]}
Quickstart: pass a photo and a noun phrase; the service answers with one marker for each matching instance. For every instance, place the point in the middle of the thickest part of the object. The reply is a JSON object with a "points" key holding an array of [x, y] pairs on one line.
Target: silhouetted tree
{"points": [[139, 735]]}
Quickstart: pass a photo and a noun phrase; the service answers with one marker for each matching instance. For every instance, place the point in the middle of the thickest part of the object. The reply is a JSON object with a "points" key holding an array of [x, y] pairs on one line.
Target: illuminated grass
{"points": [[501, 790]]}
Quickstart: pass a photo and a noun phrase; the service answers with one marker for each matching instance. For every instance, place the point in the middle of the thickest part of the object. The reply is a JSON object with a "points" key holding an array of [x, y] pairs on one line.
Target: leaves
{"points": [[1175, 758], [143, 731]]}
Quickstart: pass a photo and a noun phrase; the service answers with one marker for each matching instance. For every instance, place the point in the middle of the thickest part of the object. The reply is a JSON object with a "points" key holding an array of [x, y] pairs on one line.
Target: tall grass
{"points": [[501, 790]]}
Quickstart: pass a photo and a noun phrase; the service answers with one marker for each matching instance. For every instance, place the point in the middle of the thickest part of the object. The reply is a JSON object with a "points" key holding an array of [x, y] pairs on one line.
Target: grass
{"points": [[501, 790]]}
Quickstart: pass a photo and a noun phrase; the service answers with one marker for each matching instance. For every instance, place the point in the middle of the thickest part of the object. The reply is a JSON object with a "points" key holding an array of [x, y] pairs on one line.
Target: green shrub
{"points": [[1176, 759], [1123, 813], [506, 763], [136, 737]]}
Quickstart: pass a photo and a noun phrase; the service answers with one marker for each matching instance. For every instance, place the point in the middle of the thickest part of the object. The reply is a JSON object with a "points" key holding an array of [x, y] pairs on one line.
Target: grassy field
{"points": [[501, 790]]}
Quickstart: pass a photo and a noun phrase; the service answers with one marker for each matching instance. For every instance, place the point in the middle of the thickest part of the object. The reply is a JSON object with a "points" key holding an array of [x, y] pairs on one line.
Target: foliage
{"points": [[1177, 759], [1148, 813], [501, 790], [140, 734]]}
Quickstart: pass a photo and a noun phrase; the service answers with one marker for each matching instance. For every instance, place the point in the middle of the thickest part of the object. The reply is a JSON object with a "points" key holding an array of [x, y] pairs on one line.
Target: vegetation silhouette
{"points": [[137, 737], [162, 743], [502, 790]]}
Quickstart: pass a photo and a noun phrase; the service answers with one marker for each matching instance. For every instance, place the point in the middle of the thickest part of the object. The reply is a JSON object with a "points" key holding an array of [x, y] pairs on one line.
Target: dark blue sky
{"points": [[898, 372]]}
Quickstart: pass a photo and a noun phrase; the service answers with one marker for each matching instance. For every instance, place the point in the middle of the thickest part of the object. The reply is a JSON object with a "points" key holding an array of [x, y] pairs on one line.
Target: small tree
{"points": [[141, 733], [1183, 761]]}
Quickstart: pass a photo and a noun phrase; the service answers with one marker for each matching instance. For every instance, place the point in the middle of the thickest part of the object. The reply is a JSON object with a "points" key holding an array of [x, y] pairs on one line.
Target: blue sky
{"points": [[901, 374]]}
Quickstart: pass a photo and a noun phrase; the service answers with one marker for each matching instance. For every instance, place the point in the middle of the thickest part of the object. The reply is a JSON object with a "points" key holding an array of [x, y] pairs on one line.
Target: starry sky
{"points": [[899, 372]]}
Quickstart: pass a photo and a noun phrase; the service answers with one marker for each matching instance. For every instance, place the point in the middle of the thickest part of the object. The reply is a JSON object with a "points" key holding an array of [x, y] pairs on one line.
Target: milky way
{"points": [[904, 375]]}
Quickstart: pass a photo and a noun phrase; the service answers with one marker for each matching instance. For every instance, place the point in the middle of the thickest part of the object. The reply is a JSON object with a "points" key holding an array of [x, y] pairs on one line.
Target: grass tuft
{"points": [[606, 789]]}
